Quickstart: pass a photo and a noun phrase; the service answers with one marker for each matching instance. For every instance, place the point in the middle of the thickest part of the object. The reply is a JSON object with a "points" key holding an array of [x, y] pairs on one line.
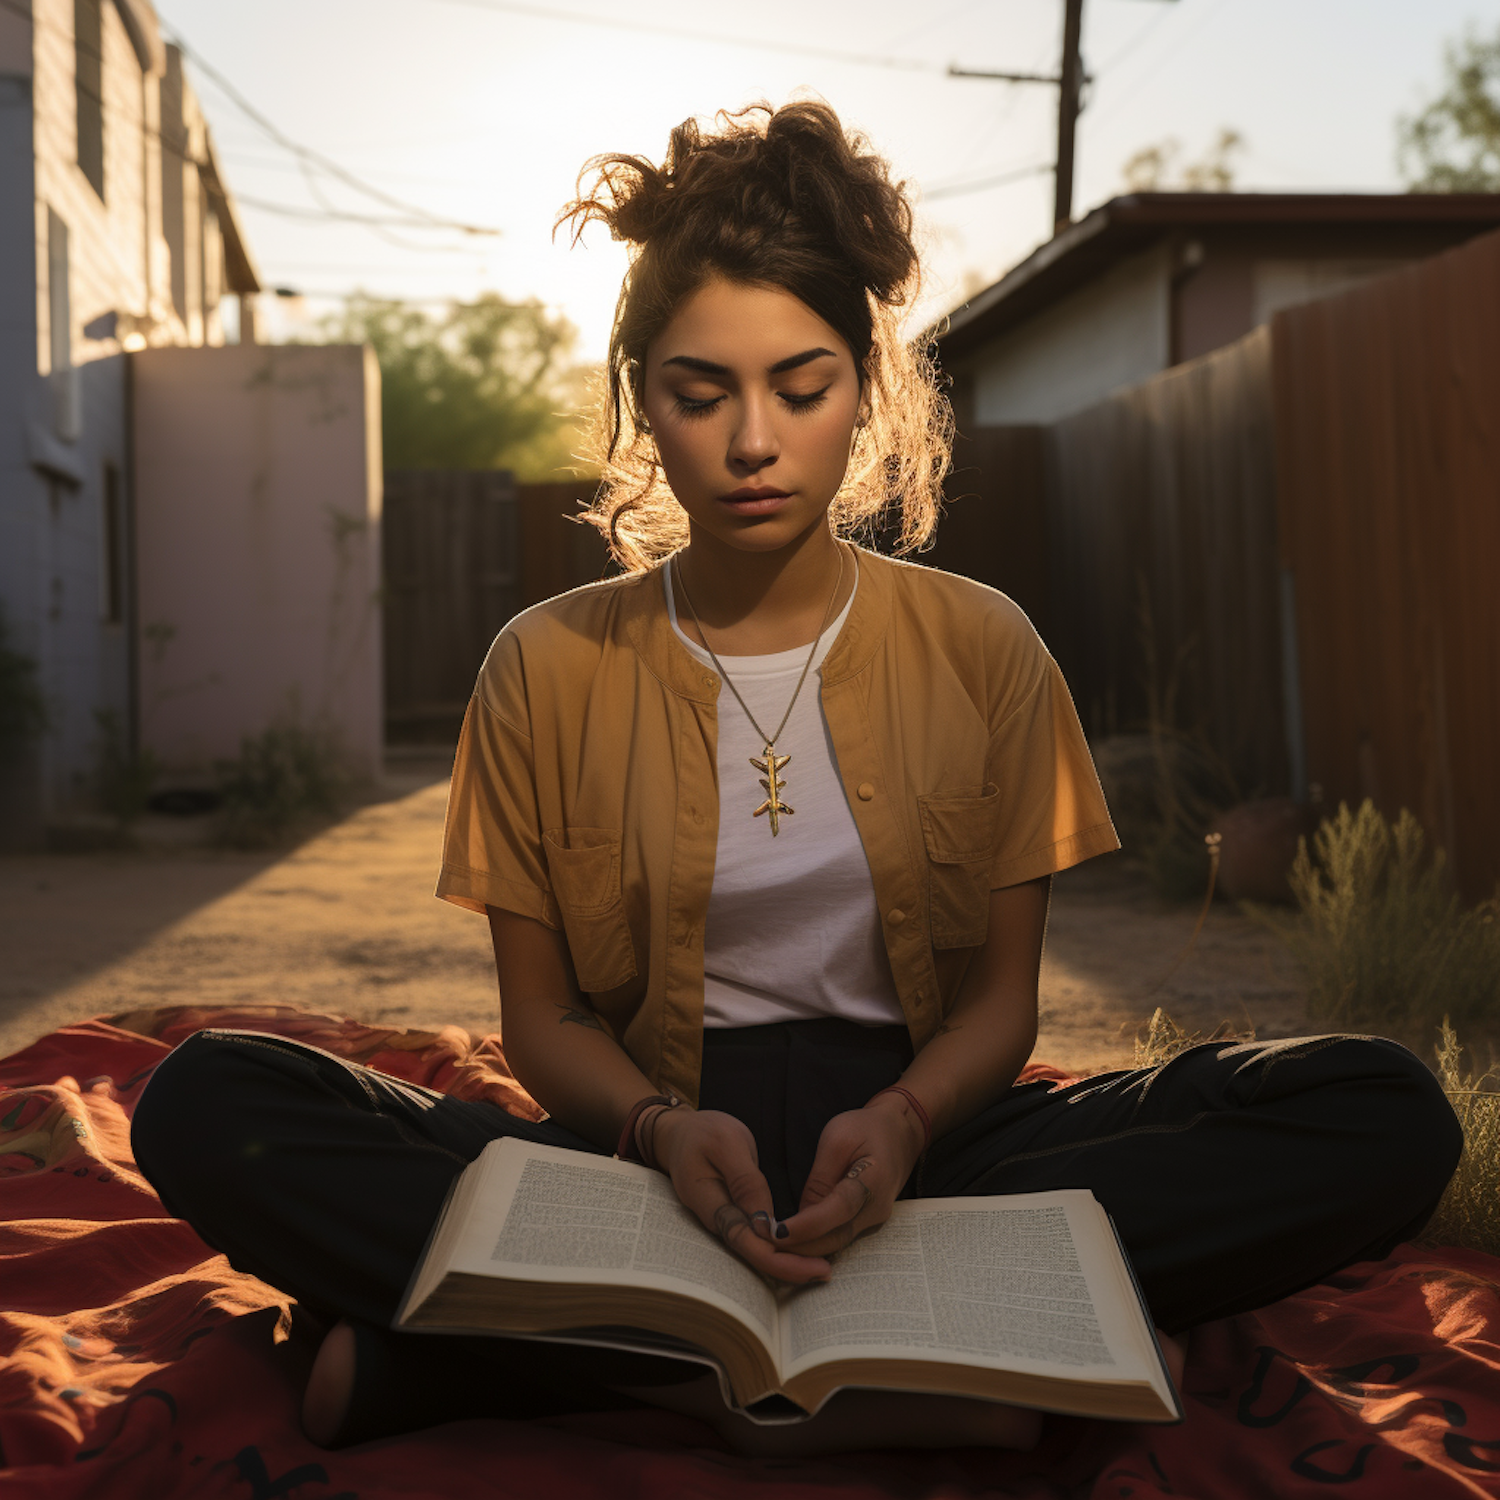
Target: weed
{"points": [[23, 709], [1469, 1214], [1163, 1039], [123, 778], [1192, 783], [1380, 933], [284, 778]]}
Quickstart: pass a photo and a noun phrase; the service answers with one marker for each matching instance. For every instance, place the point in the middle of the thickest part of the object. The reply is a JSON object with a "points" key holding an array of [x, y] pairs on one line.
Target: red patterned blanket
{"points": [[134, 1362]]}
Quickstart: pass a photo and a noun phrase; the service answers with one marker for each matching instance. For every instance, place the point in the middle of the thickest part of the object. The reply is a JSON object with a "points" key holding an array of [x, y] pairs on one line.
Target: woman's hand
{"points": [[715, 1173], [864, 1158]]}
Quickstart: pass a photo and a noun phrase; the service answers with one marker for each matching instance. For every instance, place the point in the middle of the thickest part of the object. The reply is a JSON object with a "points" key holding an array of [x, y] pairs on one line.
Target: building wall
{"points": [[258, 528], [22, 492], [83, 279], [1107, 335], [1190, 294]]}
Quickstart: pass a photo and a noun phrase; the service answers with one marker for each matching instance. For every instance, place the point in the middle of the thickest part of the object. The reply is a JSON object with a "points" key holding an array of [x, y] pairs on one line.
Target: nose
{"points": [[754, 444]]}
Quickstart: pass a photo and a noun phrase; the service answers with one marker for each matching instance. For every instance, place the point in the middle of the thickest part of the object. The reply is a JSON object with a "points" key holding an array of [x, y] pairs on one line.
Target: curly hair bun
{"points": [[784, 199], [782, 180]]}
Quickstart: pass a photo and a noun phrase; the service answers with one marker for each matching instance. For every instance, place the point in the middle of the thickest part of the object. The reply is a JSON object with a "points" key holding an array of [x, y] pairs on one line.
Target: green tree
{"points": [[1453, 146], [488, 384]]}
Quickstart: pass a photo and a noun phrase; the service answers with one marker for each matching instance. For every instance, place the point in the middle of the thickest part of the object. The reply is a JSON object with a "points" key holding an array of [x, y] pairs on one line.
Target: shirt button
{"points": [[866, 790], [710, 682], [895, 916]]}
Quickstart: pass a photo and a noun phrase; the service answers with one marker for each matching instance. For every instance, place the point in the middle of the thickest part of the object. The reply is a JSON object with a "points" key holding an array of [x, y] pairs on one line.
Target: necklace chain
{"points": [[770, 741]]}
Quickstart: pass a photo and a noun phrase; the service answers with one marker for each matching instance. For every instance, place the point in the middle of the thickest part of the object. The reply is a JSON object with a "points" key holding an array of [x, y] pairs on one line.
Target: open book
{"points": [[1026, 1299]]}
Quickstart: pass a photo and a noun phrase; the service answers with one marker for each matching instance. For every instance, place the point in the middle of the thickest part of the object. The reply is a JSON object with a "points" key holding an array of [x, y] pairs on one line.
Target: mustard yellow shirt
{"points": [[584, 789]]}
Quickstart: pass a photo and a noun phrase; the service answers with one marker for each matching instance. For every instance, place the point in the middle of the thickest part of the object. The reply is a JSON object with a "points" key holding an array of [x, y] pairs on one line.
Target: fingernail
{"points": [[760, 1213], [782, 1231]]}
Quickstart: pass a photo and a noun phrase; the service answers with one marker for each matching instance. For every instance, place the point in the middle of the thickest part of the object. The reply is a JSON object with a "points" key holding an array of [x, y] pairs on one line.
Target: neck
{"points": [[756, 603]]}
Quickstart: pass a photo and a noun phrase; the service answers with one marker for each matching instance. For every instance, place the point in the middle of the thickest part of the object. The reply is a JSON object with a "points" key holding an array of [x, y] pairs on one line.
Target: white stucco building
{"points": [[116, 233], [189, 533]]}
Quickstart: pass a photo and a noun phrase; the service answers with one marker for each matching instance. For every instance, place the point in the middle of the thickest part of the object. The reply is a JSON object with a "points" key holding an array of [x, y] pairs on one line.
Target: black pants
{"points": [[1236, 1174]]}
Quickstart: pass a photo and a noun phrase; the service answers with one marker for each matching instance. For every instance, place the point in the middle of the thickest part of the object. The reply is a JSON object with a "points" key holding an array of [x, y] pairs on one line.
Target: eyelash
{"points": [[691, 409]]}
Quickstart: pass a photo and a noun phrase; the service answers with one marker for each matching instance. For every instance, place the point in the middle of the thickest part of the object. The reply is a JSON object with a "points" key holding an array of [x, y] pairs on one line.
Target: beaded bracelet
{"points": [[916, 1106]]}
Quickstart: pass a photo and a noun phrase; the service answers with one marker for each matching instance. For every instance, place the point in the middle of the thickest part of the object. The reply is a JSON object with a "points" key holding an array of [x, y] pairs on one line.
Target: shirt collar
{"points": [[649, 630]]}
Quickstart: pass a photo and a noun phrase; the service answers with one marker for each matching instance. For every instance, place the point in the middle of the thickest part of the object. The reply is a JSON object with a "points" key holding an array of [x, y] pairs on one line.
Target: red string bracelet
{"points": [[628, 1149], [916, 1106]]}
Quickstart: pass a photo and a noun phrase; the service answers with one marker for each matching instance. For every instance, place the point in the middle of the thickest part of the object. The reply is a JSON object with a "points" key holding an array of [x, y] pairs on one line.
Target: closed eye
{"points": [[687, 407], [803, 403]]}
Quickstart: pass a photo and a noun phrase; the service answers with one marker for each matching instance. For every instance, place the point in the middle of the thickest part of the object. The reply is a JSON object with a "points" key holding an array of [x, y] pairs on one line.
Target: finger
{"points": [[749, 1190], [733, 1226], [834, 1215], [837, 1152]]}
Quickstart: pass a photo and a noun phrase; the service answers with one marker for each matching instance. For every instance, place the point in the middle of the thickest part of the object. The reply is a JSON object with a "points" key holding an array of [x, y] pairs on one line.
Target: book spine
{"points": [[1140, 1298], [404, 1306]]}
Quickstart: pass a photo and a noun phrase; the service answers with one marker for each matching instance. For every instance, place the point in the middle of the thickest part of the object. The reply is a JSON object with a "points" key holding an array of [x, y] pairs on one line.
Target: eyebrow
{"points": [[791, 362]]}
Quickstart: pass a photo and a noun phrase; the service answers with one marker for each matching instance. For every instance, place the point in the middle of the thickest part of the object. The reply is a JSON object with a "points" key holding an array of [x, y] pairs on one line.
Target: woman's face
{"points": [[752, 399]]}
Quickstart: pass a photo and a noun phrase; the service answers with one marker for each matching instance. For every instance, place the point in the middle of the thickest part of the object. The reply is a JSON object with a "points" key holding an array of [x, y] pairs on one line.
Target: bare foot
{"points": [[330, 1385], [856, 1420]]}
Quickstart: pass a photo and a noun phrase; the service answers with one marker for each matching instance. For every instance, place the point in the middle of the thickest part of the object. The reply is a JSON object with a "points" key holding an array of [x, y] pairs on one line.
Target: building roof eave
{"points": [[1124, 225], [239, 264]]}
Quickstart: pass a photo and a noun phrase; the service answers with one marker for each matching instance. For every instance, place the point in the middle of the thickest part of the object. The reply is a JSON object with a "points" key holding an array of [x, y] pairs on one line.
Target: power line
{"points": [[316, 158], [1115, 100], [1143, 35], [342, 216], [416, 217], [717, 39], [979, 185], [235, 156]]}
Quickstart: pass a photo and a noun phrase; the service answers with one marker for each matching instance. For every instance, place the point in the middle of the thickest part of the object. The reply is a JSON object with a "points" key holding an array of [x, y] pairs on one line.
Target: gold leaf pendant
{"points": [[771, 765]]}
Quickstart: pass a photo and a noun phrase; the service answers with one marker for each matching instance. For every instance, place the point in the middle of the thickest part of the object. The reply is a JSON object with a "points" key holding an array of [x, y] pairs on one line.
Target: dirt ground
{"points": [[346, 922]]}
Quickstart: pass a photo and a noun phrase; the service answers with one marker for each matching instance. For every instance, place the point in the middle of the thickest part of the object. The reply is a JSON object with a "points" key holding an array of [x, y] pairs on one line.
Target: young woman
{"points": [[764, 830]]}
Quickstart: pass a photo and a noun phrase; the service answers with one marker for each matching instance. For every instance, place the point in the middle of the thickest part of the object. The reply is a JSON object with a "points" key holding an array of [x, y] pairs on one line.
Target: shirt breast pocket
{"points": [[584, 864], [960, 834]]}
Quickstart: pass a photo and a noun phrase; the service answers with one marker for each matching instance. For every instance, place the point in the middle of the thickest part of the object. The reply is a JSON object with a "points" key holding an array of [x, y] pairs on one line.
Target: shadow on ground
{"points": [[179, 923]]}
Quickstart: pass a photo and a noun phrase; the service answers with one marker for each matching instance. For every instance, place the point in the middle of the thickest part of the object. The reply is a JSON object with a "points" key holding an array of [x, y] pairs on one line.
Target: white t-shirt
{"points": [[793, 932]]}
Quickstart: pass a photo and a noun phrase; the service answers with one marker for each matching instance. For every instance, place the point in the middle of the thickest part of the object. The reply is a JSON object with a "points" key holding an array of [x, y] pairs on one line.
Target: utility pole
{"points": [[1069, 79], [1069, 99]]}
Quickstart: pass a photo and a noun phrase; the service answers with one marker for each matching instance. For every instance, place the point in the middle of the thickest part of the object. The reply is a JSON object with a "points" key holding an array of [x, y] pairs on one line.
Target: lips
{"points": [[750, 501], [750, 492]]}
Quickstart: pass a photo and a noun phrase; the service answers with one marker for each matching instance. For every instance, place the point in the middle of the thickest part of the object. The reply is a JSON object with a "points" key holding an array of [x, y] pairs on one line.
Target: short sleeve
{"points": [[1053, 813], [492, 847]]}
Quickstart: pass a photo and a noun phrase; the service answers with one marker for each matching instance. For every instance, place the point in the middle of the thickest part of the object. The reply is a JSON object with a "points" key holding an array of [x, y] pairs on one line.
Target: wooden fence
{"points": [[1301, 534], [994, 526], [1162, 539], [1387, 403], [463, 552]]}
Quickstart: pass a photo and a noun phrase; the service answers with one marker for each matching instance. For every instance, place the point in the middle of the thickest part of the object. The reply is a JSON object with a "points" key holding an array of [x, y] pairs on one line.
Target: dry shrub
{"points": [[1469, 1215], [285, 779], [1163, 1039], [1380, 934]]}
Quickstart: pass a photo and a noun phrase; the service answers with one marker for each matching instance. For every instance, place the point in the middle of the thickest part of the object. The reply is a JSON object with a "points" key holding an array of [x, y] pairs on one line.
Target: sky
{"points": [[483, 111]]}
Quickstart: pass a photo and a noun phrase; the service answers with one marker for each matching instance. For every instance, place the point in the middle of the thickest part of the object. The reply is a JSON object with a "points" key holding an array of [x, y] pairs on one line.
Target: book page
{"points": [[574, 1219], [995, 1281]]}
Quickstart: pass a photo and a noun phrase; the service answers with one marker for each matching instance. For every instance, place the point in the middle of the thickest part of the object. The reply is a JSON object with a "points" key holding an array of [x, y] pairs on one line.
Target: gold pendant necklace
{"points": [[770, 762]]}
